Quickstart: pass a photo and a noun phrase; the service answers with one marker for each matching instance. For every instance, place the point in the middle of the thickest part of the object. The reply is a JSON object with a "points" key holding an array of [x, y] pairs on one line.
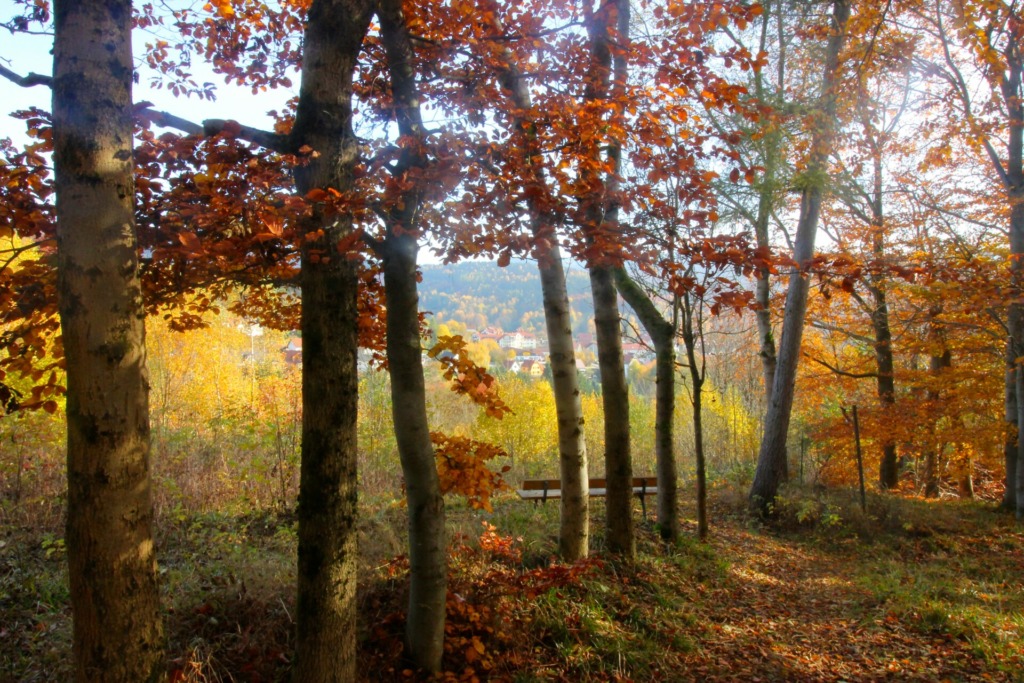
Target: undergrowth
{"points": [[908, 590]]}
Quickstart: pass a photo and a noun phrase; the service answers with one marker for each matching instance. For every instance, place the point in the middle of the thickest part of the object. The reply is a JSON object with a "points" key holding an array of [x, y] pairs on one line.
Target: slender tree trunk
{"points": [[941, 359], [574, 530], [326, 607], [771, 459], [691, 329], [117, 632], [600, 217], [574, 525], [888, 475], [428, 573], [427, 562], [615, 401], [765, 206], [662, 334]]}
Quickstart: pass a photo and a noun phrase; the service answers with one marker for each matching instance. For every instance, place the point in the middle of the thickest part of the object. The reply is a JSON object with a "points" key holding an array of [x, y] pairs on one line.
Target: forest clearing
{"points": [[294, 295]]}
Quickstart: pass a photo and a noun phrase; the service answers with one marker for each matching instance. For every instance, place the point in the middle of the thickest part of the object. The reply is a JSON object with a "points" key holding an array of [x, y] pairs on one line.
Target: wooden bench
{"points": [[540, 490]]}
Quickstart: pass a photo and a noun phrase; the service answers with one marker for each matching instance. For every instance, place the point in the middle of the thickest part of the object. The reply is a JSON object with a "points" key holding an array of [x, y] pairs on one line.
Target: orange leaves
{"points": [[221, 8], [462, 468], [467, 377]]}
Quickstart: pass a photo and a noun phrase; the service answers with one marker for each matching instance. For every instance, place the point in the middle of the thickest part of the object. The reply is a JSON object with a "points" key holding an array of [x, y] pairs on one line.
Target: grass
{"points": [[910, 590]]}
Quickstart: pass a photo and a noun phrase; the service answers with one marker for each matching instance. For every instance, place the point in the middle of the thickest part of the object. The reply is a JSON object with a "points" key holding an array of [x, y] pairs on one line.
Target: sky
{"points": [[24, 54]]}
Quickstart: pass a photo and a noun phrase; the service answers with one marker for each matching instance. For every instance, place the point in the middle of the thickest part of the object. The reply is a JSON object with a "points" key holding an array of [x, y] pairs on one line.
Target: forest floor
{"points": [[912, 590]]}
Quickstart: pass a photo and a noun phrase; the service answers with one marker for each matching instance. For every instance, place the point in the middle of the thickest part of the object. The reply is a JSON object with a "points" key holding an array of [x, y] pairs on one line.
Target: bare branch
{"points": [[28, 81], [211, 127], [843, 373]]}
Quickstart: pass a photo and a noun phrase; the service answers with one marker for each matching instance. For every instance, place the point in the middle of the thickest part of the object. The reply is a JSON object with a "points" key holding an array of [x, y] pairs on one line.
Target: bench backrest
{"points": [[556, 484]]}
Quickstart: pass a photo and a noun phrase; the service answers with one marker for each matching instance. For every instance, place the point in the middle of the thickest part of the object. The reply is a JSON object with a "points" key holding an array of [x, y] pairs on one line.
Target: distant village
{"points": [[530, 357]]}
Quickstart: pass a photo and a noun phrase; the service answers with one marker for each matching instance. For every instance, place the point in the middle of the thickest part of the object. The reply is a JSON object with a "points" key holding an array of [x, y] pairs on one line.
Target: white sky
{"points": [[24, 54]]}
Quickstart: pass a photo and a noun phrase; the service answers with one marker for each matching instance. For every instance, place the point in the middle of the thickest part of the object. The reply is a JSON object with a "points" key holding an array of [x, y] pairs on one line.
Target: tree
{"points": [[326, 607], [608, 30], [398, 251], [771, 458], [543, 217], [985, 38], [663, 335], [118, 634]]}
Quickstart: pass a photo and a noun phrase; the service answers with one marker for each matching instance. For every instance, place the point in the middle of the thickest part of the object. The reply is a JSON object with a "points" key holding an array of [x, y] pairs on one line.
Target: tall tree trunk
{"points": [[765, 205], [662, 335], [117, 632], [428, 573], [692, 328], [574, 529], [574, 525], [1010, 441], [600, 215], [615, 401], [1016, 314], [888, 474], [941, 359], [772, 456], [427, 562], [326, 608]]}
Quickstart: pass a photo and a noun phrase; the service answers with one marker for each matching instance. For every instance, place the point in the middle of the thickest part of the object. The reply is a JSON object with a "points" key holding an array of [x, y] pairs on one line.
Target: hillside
{"points": [[479, 294]]}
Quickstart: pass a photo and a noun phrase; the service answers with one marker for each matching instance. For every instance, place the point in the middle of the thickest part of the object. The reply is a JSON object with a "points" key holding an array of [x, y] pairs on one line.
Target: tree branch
{"points": [[843, 373], [209, 127], [26, 81]]}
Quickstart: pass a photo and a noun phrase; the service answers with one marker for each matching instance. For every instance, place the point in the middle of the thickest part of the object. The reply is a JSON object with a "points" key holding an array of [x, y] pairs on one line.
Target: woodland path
{"points": [[787, 612]]}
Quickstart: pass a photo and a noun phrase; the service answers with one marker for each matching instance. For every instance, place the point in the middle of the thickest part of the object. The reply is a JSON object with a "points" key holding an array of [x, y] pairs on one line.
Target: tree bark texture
{"points": [[427, 561], [888, 474], [690, 340], [428, 572], [941, 359], [772, 456], [574, 524], [765, 205], [615, 402], [326, 608], [600, 216], [1010, 441], [1016, 314], [117, 631], [662, 335]]}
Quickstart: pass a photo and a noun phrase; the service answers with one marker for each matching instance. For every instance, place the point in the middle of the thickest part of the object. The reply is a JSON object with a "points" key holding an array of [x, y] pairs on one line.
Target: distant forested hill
{"points": [[481, 294]]}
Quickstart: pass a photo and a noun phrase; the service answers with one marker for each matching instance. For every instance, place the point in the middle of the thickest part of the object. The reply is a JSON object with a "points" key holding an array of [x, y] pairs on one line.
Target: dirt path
{"points": [[786, 614]]}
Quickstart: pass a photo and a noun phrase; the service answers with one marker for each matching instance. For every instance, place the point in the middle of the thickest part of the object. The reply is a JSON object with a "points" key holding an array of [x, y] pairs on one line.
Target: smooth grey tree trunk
{"points": [[117, 630], [765, 206], [326, 608], [428, 569], [574, 524], [772, 456], [662, 333], [691, 328]]}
